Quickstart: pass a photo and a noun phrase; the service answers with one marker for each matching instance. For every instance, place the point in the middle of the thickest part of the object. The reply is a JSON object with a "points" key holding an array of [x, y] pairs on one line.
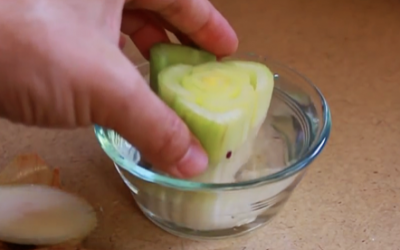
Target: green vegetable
{"points": [[163, 55], [224, 104]]}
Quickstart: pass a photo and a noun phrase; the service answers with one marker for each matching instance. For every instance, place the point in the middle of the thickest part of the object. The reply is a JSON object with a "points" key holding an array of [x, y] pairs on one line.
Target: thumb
{"points": [[124, 102]]}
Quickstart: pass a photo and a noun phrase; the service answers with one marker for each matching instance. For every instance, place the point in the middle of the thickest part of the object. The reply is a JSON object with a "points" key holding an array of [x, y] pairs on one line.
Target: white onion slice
{"points": [[41, 215]]}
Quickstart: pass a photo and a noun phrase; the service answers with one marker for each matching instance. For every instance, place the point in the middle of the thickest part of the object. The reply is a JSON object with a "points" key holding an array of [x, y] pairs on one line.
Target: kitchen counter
{"points": [[349, 199]]}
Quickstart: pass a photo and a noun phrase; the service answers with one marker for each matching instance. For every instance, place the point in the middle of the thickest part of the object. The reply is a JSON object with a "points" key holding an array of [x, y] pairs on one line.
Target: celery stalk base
{"points": [[207, 210], [210, 213]]}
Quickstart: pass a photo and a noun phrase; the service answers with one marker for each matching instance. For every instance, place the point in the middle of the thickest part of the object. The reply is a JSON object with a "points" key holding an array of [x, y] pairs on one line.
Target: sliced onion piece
{"points": [[41, 215]]}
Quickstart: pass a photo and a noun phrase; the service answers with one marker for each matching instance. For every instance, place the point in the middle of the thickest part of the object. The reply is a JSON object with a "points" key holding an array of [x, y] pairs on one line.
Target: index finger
{"points": [[198, 19]]}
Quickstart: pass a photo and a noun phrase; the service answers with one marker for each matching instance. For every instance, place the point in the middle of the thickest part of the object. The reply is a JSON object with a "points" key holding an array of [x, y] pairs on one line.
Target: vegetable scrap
{"points": [[37, 211], [29, 169], [224, 103]]}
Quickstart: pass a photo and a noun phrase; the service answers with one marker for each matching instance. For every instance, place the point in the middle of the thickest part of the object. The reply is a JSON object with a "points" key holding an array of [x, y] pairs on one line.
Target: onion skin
{"points": [[29, 169]]}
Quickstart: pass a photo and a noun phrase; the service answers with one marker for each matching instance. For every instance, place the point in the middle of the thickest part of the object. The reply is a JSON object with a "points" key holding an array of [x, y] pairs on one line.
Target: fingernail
{"points": [[194, 162]]}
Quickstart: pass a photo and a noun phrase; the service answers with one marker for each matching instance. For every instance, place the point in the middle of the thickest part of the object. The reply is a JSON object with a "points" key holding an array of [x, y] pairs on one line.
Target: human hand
{"points": [[60, 66]]}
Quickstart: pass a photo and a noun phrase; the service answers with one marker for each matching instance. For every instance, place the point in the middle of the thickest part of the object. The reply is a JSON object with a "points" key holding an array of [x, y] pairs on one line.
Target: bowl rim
{"points": [[149, 176]]}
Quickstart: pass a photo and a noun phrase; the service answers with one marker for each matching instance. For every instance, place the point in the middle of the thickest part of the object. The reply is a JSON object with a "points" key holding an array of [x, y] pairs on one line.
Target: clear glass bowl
{"points": [[295, 131]]}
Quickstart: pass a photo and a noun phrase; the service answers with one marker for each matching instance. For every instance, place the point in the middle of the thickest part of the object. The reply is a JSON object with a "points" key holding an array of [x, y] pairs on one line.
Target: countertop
{"points": [[350, 197]]}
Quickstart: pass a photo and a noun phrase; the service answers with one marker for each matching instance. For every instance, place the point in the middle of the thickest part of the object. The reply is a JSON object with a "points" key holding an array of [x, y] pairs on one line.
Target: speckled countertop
{"points": [[350, 198]]}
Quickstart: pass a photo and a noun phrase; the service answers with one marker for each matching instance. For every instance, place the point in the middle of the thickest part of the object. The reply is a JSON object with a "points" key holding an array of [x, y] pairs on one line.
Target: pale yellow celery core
{"points": [[224, 105]]}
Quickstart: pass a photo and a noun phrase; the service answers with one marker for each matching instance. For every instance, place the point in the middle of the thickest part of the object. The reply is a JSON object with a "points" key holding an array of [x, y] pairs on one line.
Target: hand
{"points": [[60, 66]]}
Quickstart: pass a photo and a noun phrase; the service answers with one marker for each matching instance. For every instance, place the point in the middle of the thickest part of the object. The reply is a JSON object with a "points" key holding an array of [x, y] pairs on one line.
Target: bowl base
{"points": [[211, 235]]}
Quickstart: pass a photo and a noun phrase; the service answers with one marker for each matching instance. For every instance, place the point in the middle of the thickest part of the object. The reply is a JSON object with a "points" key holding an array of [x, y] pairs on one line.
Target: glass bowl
{"points": [[295, 131]]}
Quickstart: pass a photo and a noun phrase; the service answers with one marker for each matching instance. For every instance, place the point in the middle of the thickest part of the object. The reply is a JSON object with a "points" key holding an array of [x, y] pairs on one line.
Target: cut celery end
{"points": [[221, 123], [219, 134], [221, 102], [263, 83], [226, 169], [207, 210], [163, 55], [224, 105]]}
